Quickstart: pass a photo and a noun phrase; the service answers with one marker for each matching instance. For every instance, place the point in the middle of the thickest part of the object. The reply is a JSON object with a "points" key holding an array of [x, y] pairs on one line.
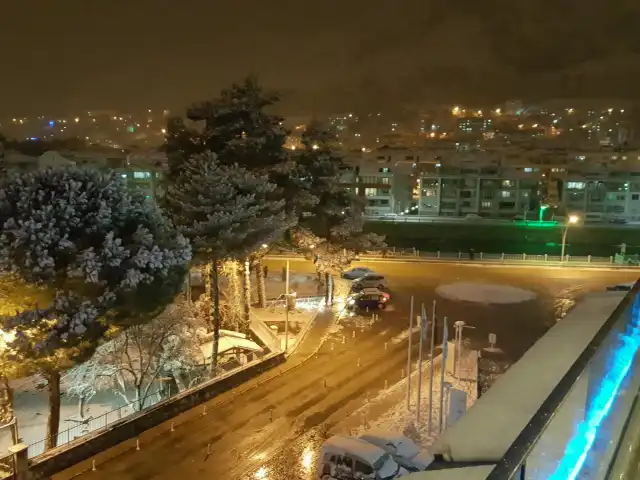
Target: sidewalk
{"points": [[314, 337], [388, 411]]}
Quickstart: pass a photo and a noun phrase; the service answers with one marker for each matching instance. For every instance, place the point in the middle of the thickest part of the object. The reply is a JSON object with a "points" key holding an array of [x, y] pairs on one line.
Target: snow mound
{"points": [[484, 293]]}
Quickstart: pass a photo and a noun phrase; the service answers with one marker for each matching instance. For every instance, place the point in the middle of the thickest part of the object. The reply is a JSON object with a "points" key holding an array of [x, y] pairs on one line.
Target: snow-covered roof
{"points": [[487, 430], [227, 343], [345, 444]]}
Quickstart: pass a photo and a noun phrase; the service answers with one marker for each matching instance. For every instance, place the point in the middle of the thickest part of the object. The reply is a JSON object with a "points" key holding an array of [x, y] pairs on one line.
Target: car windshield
{"points": [[386, 466]]}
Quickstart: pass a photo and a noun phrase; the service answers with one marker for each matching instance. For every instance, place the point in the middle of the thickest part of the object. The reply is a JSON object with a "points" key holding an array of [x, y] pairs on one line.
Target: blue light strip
{"points": [[580, 444]]}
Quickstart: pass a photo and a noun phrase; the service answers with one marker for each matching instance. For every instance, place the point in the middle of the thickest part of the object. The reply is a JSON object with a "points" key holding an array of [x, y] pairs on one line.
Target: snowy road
{"points": [[247, 441]]}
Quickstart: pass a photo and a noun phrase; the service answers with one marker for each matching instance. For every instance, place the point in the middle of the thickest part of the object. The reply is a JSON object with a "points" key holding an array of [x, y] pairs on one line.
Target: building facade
{"points": [[600, 186]]}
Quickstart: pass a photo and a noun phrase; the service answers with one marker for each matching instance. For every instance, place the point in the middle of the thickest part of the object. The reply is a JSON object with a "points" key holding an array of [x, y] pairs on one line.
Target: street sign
{"points": [[493, 339]]}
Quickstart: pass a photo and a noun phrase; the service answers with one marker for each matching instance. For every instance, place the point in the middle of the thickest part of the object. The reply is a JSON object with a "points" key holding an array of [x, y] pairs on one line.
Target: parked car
{"points": [[346, 458], [370, 280], [403, 450], [357, 273], [620, 287], [371, 291], [370, 300]]}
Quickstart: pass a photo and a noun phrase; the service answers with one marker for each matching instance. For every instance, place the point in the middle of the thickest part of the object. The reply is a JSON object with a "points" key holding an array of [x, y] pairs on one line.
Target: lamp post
{"points": [[573, 219]]}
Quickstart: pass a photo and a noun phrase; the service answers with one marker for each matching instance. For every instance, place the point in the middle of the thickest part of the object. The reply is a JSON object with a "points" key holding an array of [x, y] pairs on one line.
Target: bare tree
{"points": [[136, 360]]}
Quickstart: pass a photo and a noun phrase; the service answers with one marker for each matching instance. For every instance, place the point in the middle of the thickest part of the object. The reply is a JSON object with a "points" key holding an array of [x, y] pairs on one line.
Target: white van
{"points": [[350, 458], [403, 450]]}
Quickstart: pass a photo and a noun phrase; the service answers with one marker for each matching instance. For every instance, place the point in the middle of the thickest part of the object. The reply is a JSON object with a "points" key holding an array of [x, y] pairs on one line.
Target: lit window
{"points": [[486, 204], [528, 169], [505, 194], [507, 183], [575, 185], [142, 175]]}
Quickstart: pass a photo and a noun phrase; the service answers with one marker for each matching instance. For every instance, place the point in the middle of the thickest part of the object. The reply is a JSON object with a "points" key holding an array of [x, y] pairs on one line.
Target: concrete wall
{"points": [[65, 456]]}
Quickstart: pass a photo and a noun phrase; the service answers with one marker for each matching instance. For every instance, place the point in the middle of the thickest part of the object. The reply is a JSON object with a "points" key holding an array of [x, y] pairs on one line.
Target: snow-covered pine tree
{"points": [[108, 259], [227, 212], [239, 130], [329, 216]]}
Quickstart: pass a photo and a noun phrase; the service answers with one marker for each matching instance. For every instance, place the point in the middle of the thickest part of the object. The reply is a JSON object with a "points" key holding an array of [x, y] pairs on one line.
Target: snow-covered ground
{"points": [[31, 408], [300, 320], [484, 293], [303, 284], [388, 411]]}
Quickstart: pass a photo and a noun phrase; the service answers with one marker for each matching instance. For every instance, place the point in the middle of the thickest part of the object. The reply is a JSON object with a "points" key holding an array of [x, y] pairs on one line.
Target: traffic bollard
{"points": [[271, 415], [208, 449], [204, 410], [386, 384], [344, 339], [93, 466], [385, 345], [358, 361], [172, 427], [353, 334], [137, 444]]}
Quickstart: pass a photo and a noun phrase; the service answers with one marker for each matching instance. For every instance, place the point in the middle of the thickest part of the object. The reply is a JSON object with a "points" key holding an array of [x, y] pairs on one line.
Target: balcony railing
{"points": [[587, 428]]}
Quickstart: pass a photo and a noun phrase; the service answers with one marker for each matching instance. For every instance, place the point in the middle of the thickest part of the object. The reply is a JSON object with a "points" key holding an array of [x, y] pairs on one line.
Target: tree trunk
{"points": [[208, 294], [262, 293], [246, 283], [53, 420], [81, 407], [6, 401], [327, 291], [215, 318], [235, 303], [189, 287]]}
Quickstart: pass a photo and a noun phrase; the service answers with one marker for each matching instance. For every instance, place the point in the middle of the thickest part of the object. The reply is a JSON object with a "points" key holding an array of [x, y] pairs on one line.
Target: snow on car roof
{"points": [[343, 443], [404, 446]]}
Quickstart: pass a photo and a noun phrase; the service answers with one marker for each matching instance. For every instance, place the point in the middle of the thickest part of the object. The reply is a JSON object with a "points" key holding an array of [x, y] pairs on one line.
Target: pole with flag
{"points": [[423, 328], [445, 340], [432, 353], [409, 357]]}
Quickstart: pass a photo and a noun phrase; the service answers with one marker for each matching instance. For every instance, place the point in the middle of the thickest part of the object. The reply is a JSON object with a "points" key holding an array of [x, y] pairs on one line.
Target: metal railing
{"points": [[578, 430], [93, 424], [7, 466], [480, 257]]}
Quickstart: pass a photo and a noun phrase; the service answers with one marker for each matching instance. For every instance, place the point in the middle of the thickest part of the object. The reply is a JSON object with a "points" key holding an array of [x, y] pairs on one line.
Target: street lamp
{"points": [[573, 219]]}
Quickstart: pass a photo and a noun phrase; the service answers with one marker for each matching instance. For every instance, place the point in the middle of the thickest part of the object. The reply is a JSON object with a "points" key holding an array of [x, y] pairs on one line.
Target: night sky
{"points": [[63, 55]]}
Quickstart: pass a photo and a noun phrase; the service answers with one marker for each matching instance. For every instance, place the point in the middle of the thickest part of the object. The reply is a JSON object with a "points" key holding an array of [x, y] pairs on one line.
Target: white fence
{"points": [[518, 258], [92, 424]]}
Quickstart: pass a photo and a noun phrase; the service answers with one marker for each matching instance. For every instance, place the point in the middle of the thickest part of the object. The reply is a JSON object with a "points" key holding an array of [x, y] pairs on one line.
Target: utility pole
{"points": [[409, 356], [421, 321], [286, 308], [432, 353]]}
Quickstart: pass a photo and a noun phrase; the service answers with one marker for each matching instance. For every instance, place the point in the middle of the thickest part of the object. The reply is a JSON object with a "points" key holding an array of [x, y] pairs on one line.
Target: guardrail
{"points": [[91, 424], [479, 257], [60, 458], [578, 430]]}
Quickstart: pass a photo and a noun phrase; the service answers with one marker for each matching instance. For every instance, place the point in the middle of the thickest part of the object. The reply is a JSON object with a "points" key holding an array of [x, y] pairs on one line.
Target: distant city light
{"points": [[77, 119], [52, 123]]}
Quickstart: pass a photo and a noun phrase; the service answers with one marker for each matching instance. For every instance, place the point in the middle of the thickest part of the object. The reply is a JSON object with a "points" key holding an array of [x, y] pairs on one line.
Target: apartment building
{"points": [[598, 185], [141, 172]]}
